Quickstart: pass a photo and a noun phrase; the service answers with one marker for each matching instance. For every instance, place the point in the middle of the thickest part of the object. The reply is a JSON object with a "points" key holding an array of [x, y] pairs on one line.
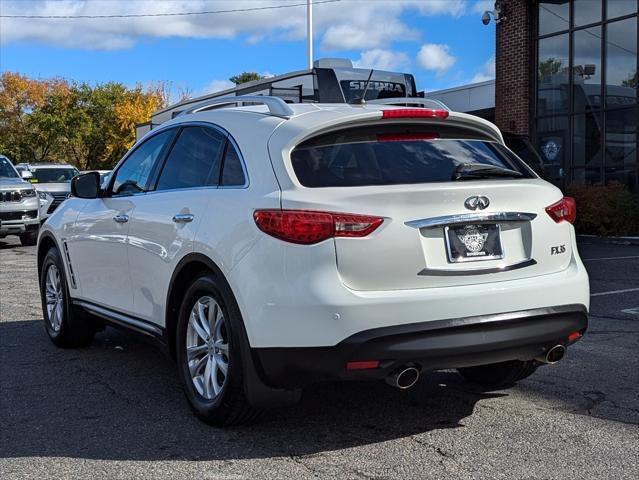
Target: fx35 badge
{"points": [[558, 249]]}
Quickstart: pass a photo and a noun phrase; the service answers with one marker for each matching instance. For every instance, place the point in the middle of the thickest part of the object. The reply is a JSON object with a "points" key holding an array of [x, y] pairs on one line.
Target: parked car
{"points": [[270, 246], [52, 178], [19, 205]]}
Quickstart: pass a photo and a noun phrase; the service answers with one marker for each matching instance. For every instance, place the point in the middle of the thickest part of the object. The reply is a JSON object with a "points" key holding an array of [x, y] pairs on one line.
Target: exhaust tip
{"points": [[553, 355], [403, 378]]}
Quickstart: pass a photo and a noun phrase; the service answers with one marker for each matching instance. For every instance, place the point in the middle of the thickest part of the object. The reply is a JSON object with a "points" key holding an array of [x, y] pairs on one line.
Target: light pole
{"points": [[309, 32]]}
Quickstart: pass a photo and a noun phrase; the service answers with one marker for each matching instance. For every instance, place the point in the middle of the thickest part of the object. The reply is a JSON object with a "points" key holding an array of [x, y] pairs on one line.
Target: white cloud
{"points": [[487, 71], [338, 26], [482, 5], [435, 57], [216, 86], [381, 59]]}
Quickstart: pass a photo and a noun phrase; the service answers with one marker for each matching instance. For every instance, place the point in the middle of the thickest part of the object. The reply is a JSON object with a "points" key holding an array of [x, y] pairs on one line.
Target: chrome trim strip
{"points": [[452, 272], [121, 319], [471, 218]]}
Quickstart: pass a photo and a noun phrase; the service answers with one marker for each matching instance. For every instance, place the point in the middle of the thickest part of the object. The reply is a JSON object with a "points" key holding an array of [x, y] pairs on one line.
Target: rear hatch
{"points": [[458, 209]]}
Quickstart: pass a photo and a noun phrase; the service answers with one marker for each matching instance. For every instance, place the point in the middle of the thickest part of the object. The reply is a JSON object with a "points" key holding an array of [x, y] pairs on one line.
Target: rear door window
{"points": [[194, 160], [391, 155]]}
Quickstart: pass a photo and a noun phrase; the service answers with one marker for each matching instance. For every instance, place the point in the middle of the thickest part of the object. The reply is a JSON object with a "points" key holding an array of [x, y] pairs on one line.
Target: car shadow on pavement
{"points": [[120, 399]]}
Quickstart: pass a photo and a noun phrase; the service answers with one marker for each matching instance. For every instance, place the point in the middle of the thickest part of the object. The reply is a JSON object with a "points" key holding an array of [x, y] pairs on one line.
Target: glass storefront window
{"points": [[554, 16], [617, 8], [553, 78], [586, 138], [621, 137], [586, 11], [586, 78], [588, 176], [621, 63], [553, 143]]}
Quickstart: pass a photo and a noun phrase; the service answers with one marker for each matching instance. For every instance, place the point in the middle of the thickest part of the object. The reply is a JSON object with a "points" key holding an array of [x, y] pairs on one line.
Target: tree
{"points": [[631, 81], [245, 77], [88, 126], [550, 66]]}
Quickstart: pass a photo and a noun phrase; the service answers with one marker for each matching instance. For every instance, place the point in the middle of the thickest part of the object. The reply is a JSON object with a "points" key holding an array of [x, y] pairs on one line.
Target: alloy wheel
{"points": [[207, 347], [54, 298]]}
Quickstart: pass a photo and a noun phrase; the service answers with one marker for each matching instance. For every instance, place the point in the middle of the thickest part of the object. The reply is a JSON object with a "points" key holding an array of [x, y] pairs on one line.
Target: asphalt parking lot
{"points": [[115, 409]]}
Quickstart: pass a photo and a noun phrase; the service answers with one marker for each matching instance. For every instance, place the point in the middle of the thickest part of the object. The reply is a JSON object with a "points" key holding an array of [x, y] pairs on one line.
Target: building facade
{"points": [[566, 77]]}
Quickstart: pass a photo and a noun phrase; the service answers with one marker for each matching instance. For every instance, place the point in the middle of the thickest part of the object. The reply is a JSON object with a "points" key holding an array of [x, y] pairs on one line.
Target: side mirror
{"points": [[86, 185], [26, 174]]}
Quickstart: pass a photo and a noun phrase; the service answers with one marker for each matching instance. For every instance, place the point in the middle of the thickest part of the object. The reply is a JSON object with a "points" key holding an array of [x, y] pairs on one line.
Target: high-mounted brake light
{"points": [[406, 137], [307, 227], [414, 113], [564, 209]]}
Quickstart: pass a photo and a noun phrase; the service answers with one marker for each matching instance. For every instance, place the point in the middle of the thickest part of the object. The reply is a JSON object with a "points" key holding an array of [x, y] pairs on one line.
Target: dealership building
{"points": [[565, 87], [566, 78]]}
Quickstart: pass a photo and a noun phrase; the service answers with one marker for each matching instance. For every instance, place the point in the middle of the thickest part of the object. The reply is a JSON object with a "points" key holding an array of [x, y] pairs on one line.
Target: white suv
{"points": [[269, 246]]}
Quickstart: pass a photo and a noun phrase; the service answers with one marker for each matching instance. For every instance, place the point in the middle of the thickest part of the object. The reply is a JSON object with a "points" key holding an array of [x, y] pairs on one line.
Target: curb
{"points": [[608, 240]]}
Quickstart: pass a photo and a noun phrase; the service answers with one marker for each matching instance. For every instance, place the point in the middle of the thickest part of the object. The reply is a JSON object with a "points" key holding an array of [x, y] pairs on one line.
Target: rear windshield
{"points": [[53, 175], [391, 155]]}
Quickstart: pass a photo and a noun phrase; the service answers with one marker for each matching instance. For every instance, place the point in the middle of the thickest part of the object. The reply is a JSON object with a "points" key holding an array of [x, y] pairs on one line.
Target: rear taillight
{"points": [[308, 227], [564, 209], [414, 113]]}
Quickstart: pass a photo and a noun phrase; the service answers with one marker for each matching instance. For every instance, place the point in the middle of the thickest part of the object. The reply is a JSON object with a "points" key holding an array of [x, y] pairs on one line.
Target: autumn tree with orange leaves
{"points": [[55, 120]]}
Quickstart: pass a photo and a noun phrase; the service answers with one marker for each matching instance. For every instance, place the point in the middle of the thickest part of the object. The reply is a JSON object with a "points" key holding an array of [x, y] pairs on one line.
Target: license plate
{"points": [[471, 243]]}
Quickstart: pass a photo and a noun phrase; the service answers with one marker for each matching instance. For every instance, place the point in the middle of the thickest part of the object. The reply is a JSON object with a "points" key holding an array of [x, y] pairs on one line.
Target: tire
{"points": [[29, 239], [215, 397], [499, 375], [66, 325]]}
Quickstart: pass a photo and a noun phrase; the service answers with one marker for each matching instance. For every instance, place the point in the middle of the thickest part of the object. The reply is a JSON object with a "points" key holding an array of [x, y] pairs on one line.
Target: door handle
{"points": [[183, 218], [121, 218]]}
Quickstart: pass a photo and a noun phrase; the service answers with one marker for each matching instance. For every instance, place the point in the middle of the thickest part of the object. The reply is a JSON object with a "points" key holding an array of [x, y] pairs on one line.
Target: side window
{"points": [[193, 160], [133, 176], [232, 173]]}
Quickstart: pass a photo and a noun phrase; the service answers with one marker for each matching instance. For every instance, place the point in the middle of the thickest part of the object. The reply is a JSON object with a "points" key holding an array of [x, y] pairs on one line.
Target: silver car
{"points": [[52, 178], [19, 205]]}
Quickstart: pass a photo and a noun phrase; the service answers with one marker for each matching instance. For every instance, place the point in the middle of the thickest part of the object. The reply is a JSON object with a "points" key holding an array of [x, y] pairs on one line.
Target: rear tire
{"points": [[499, 375], [66, 325], [209, 326], [29, 239]]}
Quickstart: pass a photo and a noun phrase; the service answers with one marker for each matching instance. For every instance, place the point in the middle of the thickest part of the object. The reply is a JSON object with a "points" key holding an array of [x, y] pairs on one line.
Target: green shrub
{"points": [[606, 209]]}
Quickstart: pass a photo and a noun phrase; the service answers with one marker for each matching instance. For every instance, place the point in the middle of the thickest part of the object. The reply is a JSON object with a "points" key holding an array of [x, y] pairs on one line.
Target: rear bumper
{"points": [[433, 345]]}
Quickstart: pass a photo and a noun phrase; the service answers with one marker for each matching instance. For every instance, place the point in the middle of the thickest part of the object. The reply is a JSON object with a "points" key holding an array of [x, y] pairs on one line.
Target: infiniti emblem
{"points": [[477, 203]]}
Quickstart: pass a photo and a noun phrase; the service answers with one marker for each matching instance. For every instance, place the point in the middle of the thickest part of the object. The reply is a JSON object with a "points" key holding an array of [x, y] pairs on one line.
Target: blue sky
{"points": [[442, 42]]}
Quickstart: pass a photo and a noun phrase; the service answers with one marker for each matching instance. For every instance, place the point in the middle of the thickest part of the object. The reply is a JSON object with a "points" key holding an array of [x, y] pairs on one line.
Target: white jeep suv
{"points": [[268, 246]]}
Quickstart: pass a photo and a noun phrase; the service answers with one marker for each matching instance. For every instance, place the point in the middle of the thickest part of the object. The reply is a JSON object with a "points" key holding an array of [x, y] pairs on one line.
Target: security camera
{"points": [[485, 18]]}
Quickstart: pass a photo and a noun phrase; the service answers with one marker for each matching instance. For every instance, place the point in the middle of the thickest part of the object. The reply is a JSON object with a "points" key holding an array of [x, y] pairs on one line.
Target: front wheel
{"points": [[499, 375], [209, 354], [66, 326]]}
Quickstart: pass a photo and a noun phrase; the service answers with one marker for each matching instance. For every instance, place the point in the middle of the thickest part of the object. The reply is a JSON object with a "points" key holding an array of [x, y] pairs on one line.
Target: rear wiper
{"points": [[482, 170]]}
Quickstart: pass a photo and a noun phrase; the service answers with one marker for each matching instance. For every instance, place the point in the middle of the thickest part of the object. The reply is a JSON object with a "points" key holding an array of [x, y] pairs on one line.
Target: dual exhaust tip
{"points": [[407, 376]]}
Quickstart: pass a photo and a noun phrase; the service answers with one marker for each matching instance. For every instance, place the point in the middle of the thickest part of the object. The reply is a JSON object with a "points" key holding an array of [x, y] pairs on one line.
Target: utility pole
{"points": [[309, 32]]}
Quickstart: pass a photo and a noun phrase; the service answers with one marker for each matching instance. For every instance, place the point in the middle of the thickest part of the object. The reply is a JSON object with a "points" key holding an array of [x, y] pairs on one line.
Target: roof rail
{"points": [[424, 102], [276, 106]]}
